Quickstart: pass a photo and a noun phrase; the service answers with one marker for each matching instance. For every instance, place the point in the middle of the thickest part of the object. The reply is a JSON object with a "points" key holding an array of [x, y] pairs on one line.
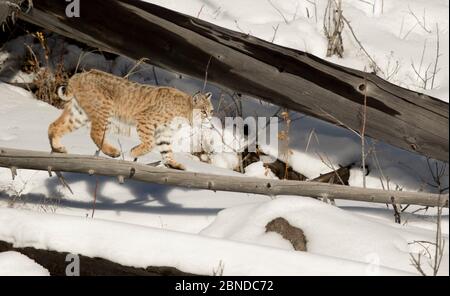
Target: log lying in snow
{"points": [[248, 65], [25, 159]]}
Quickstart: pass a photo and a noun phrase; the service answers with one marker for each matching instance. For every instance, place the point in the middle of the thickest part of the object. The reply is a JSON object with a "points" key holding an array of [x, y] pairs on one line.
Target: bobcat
{"points": [[99, 97]]}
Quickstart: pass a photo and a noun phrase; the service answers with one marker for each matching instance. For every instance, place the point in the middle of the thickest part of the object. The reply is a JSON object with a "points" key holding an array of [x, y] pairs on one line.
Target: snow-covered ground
{"points": [[201, 231], [16, 264]]}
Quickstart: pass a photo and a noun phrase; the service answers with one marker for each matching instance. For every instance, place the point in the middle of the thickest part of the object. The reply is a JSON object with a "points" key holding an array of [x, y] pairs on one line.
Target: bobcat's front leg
{"points": [[55, 132], [98, 135]]}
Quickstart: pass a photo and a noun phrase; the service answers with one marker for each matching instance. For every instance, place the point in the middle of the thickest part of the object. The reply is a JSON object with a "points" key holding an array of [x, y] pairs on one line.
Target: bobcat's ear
{"points": [[195, 97], [62, 93], [208, 95]]}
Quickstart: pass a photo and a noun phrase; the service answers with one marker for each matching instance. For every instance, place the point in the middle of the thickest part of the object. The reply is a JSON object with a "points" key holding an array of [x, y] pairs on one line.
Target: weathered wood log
{"points": [[25, 159], [248, 65], [339, 176], [278, 167]]}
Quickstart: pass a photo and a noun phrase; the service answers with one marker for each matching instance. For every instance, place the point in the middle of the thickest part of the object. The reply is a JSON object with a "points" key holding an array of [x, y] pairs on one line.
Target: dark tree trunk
{"points": [[248, 65]]}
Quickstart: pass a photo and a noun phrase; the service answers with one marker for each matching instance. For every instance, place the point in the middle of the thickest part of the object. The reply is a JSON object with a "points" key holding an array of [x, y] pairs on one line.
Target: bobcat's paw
{"points": [[61, 149], [135, 153], [139, 150], [111, 152], [175, 165]]}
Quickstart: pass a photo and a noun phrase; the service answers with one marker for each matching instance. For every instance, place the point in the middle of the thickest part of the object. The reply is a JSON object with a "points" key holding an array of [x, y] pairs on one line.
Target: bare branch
{"points": [[374, 64], [279, 11], [421, 24], [417, 264], [435, 70], [363, 132], [200, 11], [315, 8], [333, 25], [275, 30]]}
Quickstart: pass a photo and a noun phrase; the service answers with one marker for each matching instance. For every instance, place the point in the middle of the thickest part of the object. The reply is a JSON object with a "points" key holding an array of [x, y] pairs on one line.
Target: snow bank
{"points": [[258, 170], [141, 246], [330, 231], [17, 264]]}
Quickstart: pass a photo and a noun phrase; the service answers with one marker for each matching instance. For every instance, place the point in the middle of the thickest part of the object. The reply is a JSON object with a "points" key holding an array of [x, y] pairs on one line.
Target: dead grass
{"points": [[47, 78]]}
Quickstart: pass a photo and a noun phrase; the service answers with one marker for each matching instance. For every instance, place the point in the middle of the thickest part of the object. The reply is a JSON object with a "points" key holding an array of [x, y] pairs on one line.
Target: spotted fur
{"points": [[98, 97]]}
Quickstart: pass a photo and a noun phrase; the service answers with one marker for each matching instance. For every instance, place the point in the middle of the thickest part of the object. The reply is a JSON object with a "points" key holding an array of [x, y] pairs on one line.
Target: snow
{"points": [[16, 264], [156, 247], [329, 230], [257, 169], [198, 231]]}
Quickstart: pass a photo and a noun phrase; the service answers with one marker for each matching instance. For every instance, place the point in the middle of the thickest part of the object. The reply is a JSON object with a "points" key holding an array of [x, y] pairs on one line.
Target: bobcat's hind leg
{"points": [[70, 120], [146, 132], [99, 127], [163, 137]]}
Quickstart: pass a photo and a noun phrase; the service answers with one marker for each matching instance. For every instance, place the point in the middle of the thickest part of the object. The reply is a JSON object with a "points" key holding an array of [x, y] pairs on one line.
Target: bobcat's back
{"points": [[96, 90]]}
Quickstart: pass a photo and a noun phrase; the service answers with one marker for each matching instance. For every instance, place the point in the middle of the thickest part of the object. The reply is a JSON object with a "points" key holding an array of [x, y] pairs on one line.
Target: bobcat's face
{"points": [[202, 102]]}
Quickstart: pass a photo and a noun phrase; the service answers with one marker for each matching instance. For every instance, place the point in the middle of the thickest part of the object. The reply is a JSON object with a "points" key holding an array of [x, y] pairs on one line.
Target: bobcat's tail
{"points": [[62, 93]]}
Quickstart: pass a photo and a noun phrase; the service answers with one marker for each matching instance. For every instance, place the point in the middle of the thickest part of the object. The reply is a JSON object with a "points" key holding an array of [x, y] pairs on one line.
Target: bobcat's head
{"points": [[202, 102]]}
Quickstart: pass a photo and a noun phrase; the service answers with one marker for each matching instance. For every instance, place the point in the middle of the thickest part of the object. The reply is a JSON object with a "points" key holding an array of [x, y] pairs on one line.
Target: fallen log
{"points": [[248, 65], [93, 165], [339, 176]]}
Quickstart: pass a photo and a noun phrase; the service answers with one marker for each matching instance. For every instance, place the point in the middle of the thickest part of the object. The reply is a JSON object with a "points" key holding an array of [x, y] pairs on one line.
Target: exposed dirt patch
{"points": [[55, 263], [287, 231]]}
